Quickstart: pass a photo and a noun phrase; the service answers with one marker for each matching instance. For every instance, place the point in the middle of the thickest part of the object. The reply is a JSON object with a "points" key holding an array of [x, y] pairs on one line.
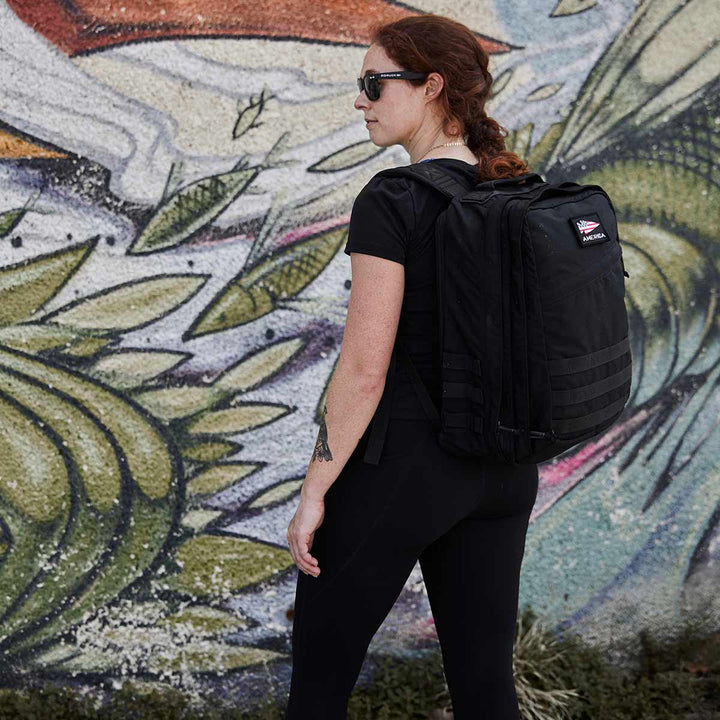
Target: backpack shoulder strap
{"points": [[440, 179], [435, 177]]}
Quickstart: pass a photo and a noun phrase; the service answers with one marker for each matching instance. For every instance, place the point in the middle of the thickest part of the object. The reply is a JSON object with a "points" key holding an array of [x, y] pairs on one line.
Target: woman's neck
{"points": [[465, 157]]}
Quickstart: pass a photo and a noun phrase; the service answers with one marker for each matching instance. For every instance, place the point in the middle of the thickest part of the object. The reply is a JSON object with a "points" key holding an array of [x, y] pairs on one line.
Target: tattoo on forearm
{"points": [[322, 449]]}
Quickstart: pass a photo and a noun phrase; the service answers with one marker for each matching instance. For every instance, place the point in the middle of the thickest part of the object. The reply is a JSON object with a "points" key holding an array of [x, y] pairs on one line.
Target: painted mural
{"points": [[175, 186]]}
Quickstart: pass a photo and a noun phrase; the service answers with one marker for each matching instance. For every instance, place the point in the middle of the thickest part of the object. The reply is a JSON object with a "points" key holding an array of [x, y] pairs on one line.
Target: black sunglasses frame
{"points": [[371, 86]]}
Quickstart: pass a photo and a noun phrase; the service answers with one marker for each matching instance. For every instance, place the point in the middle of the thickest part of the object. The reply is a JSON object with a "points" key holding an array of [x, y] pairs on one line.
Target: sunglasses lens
{"points": [[372, 88]]}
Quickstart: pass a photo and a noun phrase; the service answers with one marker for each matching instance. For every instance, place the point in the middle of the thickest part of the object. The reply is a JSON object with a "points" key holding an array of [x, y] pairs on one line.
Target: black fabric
{"points": [[394, 218], [465, 520]]}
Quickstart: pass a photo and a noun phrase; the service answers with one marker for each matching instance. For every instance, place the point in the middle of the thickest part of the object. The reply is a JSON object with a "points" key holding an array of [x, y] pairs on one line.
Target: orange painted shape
{"points": [[17, 148], [84, 26]]}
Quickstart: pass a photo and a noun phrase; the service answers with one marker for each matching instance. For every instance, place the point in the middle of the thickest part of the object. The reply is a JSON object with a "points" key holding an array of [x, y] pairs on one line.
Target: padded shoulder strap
{"points": [[434, 176]]}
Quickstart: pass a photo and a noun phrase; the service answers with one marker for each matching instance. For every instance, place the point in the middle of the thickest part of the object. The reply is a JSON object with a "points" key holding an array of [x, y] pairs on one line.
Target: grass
{"points": [[558, 677]]}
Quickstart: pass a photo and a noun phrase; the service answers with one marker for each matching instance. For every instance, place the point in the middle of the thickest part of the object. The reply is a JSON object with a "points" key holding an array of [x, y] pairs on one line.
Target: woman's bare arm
{"points": [[359, 379]]}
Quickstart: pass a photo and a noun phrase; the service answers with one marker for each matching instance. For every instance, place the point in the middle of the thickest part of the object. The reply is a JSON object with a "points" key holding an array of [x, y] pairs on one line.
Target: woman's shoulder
{"points": [[382, 221], [384, 181], [387, 192]]}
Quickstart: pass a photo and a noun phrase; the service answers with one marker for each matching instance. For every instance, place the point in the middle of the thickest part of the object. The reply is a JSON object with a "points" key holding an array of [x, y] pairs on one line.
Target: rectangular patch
{"points": [[589, 230]]}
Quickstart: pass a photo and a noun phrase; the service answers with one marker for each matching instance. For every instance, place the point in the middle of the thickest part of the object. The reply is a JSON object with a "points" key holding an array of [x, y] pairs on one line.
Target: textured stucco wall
{"points": [[170, 317]]}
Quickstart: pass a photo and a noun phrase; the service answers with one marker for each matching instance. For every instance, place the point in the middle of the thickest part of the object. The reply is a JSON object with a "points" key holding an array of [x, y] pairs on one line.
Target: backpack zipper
{"points": [[550, 435]]}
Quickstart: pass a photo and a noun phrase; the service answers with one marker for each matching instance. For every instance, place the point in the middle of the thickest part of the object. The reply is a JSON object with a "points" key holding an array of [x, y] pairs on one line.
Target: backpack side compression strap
{"points": [[419, 385], [382, 414]]}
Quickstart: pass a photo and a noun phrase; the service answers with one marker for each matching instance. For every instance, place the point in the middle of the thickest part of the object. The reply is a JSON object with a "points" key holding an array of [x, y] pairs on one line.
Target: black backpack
{"points": [[533, 325]]}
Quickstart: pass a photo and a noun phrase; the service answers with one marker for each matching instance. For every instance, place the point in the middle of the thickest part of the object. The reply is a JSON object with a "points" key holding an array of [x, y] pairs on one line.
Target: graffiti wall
{"points": [[175, 186]]}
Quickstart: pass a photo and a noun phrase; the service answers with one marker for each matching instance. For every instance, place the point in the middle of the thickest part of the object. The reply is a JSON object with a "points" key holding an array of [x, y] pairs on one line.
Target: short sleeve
{"points": [[382, 220]]}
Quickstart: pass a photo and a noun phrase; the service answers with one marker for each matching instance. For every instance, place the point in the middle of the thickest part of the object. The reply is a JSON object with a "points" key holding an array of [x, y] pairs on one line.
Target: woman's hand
{"points": [[301, 531]]}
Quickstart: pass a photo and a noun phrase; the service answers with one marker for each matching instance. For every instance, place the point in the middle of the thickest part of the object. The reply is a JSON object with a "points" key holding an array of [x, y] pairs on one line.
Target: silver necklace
{"points": [[443, 145]]}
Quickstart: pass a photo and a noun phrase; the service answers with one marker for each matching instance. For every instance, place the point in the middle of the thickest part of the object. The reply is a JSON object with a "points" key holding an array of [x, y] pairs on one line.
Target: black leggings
{"points": [[465, 519]]}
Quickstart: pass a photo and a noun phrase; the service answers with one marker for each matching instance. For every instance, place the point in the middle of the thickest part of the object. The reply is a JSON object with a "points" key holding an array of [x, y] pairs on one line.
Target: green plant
{"points": [[537, 655]]}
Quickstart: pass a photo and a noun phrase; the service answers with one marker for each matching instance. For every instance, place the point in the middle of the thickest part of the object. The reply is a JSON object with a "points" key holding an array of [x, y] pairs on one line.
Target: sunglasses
{"points": [[371, 82]]}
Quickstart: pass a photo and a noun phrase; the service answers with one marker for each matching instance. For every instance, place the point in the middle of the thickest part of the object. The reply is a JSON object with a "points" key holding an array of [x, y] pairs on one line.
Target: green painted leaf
{"points": [[32, 547], [219, 565], [518, 141], [87, 347], [241, 418], [205, 621], [53, 655], [147, 455], [209, 656], [26, 286], [127, 369], [33, 474], [213, 657], [542, 149], [209, 451], [218, 477], [198, 519], [256, 368], [171, 403], [277, 493], [347, 157], [253, 293], [98, 469], [544, 92], [190, 210], [129, 305], [571, 7], [9, 219], [35, 337]]}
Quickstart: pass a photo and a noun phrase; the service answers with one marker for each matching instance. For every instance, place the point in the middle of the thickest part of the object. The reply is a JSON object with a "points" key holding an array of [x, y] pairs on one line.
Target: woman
{"points": [[360, 527]]}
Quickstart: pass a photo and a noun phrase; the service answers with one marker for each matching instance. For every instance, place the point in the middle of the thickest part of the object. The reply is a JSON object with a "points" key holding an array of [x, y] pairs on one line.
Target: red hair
{"points": [[432, 43]]}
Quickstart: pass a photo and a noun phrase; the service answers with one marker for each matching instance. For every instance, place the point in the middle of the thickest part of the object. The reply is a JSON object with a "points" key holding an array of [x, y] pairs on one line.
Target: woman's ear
{"points": [[434, 84]]}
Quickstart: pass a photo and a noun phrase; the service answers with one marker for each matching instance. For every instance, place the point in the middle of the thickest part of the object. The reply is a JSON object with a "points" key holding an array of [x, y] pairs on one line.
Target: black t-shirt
{"points": [[394, 218]]}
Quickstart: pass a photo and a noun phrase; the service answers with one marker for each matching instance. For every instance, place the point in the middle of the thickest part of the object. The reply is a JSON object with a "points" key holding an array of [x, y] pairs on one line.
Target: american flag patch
{"points": [[588, 229], [586, 226]]}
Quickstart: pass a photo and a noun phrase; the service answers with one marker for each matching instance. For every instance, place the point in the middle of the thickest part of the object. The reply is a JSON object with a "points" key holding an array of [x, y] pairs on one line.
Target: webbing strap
{"points": [[563, 426], [461, 361], [462, 390], [420, 389], [381, 418], [576, 395], [382, 413], [463, 420], [565, 366]]}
